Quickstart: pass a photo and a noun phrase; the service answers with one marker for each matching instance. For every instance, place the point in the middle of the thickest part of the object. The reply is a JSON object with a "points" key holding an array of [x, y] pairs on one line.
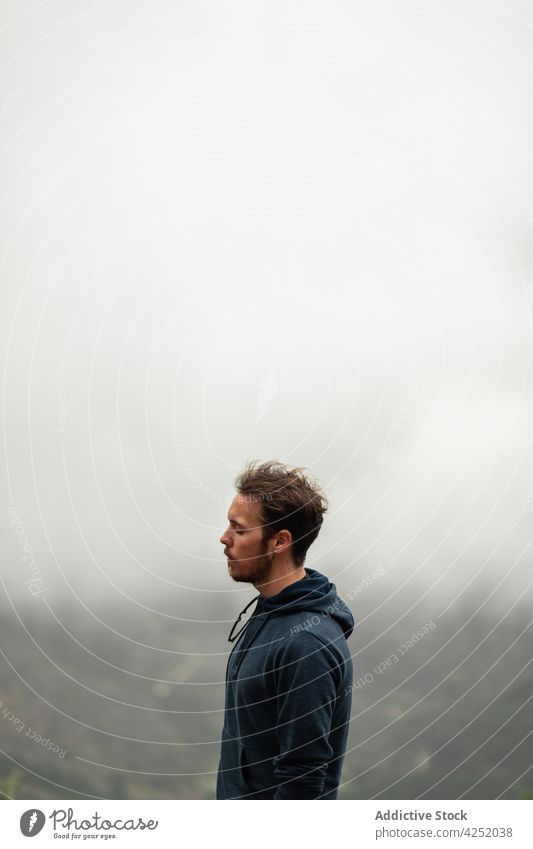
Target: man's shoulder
{"points": [[315, 636], [320, 625], [308, 656]]}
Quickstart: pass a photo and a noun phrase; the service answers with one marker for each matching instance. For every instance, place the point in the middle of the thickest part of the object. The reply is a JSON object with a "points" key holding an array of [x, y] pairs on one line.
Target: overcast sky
{"points": [[294, 231]]}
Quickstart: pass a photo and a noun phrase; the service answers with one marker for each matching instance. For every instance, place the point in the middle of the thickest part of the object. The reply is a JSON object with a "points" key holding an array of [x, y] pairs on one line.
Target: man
{"points": [[289, 676]]}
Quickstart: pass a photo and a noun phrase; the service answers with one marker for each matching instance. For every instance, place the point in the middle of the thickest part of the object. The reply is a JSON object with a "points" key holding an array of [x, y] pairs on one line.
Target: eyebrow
{"points": [[235, 522]]}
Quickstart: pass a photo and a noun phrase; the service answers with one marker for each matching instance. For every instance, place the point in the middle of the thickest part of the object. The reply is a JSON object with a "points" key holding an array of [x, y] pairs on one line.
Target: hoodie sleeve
{"points": [[307, 679]]}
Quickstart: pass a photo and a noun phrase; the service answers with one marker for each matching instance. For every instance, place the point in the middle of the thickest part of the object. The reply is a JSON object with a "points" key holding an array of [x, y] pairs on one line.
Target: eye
{"points": [[239, 532]]}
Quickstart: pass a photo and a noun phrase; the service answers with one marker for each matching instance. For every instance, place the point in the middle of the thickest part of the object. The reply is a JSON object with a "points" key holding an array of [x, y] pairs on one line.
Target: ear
{"points": [[283, 541]]}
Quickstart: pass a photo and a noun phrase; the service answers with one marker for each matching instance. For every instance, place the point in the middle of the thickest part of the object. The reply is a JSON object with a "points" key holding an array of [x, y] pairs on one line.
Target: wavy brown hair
{"points": [[290, 500]]}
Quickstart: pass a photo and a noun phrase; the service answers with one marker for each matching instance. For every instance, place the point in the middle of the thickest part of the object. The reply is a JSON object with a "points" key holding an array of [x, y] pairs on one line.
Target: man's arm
{"points": [[307, 678]]}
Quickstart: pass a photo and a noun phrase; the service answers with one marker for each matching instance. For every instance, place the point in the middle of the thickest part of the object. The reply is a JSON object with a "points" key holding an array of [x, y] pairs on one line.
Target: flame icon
{"points": [[31, 822], [268, 391]]}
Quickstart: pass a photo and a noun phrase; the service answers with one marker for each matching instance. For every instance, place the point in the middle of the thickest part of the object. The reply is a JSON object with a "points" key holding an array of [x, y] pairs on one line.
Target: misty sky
{"points": [[294, 231]]}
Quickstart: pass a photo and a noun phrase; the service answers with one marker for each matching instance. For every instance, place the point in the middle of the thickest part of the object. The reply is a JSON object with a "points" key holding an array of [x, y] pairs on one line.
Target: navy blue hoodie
{"points": [[288, 696]]}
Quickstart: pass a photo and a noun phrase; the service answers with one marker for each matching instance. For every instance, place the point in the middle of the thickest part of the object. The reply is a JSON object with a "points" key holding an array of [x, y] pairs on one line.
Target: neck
{"points": [[281, 575]]}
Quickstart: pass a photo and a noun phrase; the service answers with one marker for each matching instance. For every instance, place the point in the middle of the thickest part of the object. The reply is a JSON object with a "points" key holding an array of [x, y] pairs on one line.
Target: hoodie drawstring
{"points": [[231, 638]]}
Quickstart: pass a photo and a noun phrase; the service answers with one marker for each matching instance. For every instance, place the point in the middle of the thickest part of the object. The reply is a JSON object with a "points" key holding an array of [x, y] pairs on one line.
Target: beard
{"points": [[254, 571]]}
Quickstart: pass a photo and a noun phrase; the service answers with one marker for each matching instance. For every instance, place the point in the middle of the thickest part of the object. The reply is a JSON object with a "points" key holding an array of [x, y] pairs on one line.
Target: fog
{"points": [[259, 231]]}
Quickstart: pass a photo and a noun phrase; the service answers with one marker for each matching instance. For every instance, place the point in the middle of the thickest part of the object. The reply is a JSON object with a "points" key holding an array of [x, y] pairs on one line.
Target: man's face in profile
{"points": [[247, 553]]}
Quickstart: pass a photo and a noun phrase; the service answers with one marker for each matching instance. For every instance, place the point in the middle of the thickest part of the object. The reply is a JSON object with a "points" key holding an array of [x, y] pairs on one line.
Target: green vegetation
{"points": [[152, 731]]}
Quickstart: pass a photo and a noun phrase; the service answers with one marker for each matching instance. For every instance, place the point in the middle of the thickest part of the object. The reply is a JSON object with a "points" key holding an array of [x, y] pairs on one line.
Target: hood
{"points": [[314, 594]]}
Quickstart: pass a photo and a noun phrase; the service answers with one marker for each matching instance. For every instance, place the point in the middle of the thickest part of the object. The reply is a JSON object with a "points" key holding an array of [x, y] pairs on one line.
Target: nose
{"points": [[224, 539]]}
